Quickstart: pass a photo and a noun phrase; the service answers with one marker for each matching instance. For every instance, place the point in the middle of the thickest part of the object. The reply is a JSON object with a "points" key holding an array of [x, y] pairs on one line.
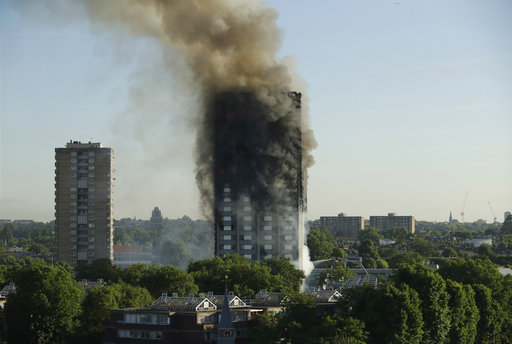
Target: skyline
{"points": [[423, 89]]}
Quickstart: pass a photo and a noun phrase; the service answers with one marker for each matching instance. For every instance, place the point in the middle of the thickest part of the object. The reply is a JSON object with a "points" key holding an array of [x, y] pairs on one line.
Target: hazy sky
{"points": [[410, 102]]}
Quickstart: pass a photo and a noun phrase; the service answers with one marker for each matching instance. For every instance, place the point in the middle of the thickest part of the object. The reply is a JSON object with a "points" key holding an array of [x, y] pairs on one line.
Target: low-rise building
{"points": [[173, 319], [386, 223]]}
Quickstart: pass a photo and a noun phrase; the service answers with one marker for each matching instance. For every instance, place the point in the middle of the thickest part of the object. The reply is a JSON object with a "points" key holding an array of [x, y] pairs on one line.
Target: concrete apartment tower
{"points": [[257, 211], [83, 202]]}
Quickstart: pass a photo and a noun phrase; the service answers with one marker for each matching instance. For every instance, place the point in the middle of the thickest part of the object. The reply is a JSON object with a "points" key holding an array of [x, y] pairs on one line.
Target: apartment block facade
{"points": [[345, 227], [385, 223], [83, 202], [349, 227]]}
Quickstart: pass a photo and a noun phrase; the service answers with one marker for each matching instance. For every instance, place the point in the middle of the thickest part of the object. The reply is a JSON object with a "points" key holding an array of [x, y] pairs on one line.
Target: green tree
{"points": [[464, 313], [291, 276], [370, 233], [431, 289], [6, 236], [159, 279], [303, 323], [337, 272], [490, 321], [391, 314], [504, 241], [45, 305], [423, 247], [320, 243], [244, 278], [506, 227], [406, 258], [100, 268], [99, 302], [168, 279], [449, 252], [485, 250], [368, 251], [399, 234], [175, 253], [473, 271]]}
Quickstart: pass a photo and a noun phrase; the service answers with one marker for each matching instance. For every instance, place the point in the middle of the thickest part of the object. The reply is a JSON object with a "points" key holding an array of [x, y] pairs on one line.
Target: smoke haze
{"points": [[229, 46]]}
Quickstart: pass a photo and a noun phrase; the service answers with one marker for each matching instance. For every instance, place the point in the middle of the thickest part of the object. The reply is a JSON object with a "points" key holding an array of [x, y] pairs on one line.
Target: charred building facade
{"points": [[259, 196]]}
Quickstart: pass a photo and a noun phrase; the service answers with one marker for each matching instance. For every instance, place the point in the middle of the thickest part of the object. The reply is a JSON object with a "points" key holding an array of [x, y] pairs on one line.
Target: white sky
{"points": [[410, 102]]}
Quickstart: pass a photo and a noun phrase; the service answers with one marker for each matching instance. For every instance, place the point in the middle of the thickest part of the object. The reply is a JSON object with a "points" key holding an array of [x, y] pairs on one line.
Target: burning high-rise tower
{"points": [[258, 189], [253, 144]]}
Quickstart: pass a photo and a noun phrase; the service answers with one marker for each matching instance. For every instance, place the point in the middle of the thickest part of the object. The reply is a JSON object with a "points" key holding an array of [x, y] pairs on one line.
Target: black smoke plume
{"points": [[230, 46]]}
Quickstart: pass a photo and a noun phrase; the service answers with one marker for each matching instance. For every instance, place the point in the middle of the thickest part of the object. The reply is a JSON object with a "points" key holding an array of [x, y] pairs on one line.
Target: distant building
{"points": [[4, 221], [126, 255], [349, 227], [329, 222], [385, 223], [450, 219], [83, 202], [156, 227], [23, 222], [346, 228], [506, 214]]}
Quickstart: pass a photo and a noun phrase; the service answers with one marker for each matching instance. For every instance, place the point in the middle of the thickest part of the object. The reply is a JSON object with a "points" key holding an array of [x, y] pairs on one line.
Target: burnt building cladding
{"points": [[83, 202], [259, 195]]}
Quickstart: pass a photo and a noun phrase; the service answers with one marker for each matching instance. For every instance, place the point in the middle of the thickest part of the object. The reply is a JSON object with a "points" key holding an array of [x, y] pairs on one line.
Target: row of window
{"points": [[248, 218], [142, 318], [250, 247], [90, 168], [90, 153], [91, 247], [91, 189], [89, 254], [249, 237], [90, 211], [90, 175], [249, 228], [140, 334], [91, 196], [90, 225], [90, 204], [90, 239], [74, 161]]}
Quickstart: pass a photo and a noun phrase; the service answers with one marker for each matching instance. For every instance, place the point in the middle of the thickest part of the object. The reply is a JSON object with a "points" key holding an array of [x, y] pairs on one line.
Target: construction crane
{"points": [[493, 215], [463, 207]]}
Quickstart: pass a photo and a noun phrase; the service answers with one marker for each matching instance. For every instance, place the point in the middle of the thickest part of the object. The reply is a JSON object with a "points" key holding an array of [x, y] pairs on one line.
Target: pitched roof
{"points": [[9, 288], [187, 304], [324, 296], [234, 301], [264, 298]]}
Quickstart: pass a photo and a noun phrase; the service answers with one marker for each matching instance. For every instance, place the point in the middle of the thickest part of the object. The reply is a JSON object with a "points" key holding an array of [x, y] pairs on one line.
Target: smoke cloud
{"points": [[230, 47]]}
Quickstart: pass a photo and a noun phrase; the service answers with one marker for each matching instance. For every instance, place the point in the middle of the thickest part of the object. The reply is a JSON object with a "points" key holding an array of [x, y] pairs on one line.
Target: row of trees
{"points": [[51, 306], [465, 302]]}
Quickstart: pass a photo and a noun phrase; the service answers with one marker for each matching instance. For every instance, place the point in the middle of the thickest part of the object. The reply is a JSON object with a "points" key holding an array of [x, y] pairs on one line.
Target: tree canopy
{"points": [[320, 243], [45, 305]]}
